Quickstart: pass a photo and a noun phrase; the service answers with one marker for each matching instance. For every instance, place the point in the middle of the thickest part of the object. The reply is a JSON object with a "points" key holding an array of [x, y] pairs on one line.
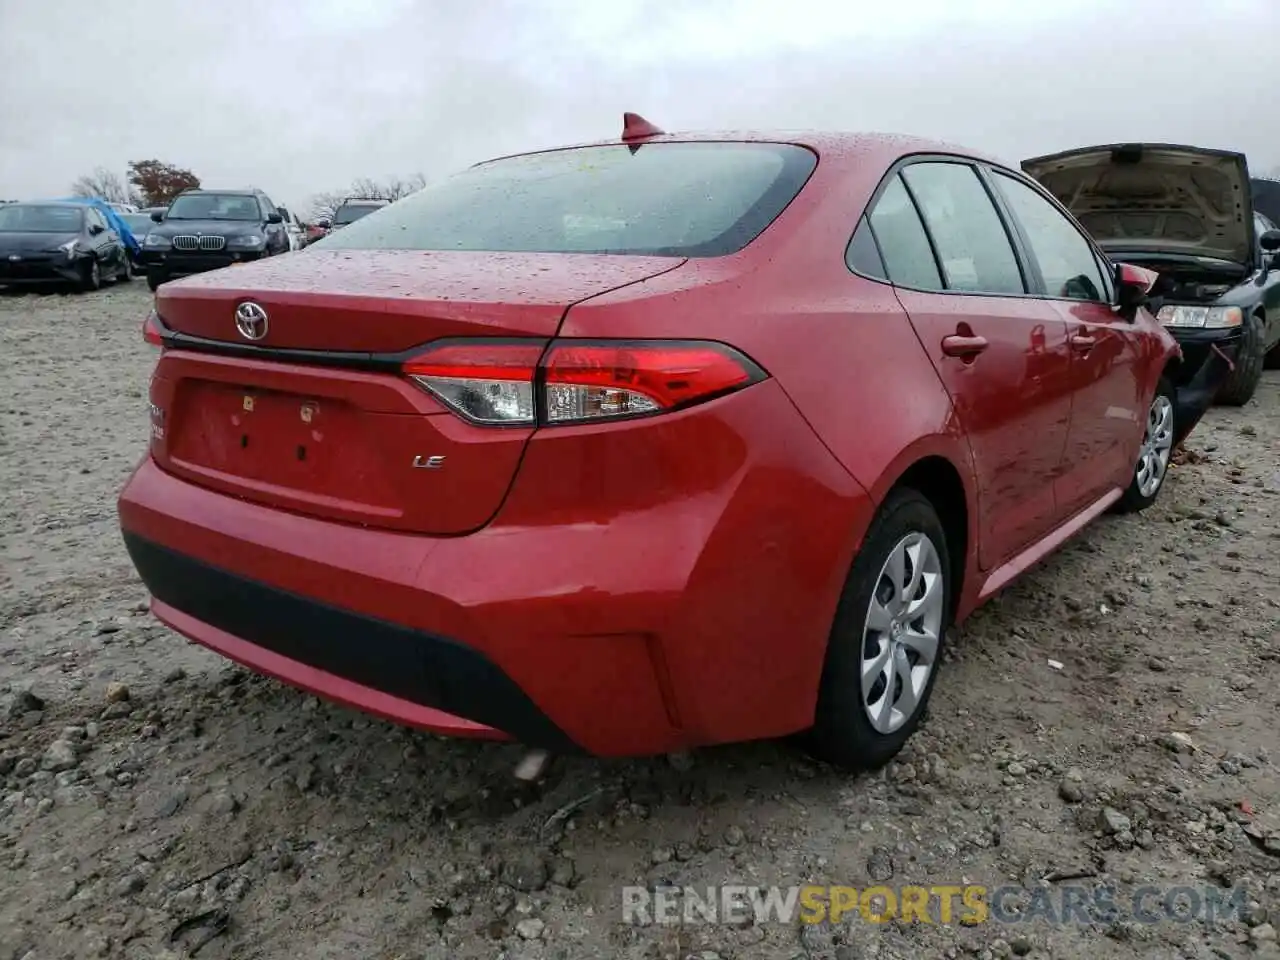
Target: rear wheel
{"points": [[1243, 380], [124, 273], [90, 275], [1153, 456], [887, 639]]}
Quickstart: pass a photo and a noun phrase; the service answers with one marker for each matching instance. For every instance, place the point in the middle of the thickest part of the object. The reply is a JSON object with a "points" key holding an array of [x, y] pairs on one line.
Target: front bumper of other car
{"points": [[179, 263], [1208, 356], [36, 268]]}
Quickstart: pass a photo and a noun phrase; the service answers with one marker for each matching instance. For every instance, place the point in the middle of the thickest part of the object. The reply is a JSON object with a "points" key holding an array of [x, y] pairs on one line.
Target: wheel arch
{"points": [[937, 478]]}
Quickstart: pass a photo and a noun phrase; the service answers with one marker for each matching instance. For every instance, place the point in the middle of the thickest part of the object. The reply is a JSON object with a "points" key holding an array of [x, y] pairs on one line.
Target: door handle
{"points": [[958, 345], [1083, 342]]}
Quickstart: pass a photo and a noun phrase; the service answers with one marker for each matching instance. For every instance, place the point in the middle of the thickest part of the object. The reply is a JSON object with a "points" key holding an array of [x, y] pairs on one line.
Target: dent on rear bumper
{"points": [[674, 588]]}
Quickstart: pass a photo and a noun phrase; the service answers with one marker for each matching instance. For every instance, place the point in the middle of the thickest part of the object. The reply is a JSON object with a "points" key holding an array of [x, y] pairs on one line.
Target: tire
{"points": [[155, 278], [1242, 382], [125, 272], [1152, 467], [843, 733], [91, 276]]}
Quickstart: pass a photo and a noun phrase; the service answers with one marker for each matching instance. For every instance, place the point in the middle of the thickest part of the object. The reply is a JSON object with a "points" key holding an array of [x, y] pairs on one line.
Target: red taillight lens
{"points": [[591, 381], [522, 382], [489, 383], [151, 331]]}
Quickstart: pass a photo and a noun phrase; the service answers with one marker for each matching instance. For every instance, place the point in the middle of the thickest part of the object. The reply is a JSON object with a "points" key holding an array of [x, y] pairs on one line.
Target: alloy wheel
{"points": [[900, 641], [1157, 445]]}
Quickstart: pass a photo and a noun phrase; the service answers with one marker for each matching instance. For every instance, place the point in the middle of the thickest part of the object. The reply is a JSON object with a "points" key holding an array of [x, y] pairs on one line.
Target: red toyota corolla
{"points": [[636, 446]]}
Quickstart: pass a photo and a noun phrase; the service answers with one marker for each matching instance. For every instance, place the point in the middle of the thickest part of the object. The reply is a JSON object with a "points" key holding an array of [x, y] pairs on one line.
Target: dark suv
{"points": [[208, 229]]}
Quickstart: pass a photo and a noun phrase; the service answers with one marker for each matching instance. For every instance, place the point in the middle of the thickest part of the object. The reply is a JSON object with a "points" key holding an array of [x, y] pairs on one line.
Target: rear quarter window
{"points": [[662, 199]]}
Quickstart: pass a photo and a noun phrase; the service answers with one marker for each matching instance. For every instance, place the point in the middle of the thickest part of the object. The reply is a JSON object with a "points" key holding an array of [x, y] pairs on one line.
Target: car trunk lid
{"points": [[314, 416], [1157, 197]]}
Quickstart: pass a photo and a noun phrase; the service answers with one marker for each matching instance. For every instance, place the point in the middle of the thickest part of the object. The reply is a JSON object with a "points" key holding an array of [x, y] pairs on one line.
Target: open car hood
{"points": [[1155, 197]]}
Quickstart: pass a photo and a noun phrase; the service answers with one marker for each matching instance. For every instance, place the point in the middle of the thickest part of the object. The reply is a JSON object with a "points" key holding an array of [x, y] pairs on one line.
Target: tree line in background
{"points": [[149, 183], [324, 205]]}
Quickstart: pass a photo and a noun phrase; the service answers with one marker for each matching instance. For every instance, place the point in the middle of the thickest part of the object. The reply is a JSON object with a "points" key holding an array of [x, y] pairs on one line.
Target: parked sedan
{"points": [[659, 442], [57, 242], [1186, 213], [317, 230]]}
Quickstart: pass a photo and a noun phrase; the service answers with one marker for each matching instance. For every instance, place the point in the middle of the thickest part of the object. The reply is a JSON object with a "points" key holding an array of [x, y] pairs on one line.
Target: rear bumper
{"points": [[609, 620], [391, 670]]}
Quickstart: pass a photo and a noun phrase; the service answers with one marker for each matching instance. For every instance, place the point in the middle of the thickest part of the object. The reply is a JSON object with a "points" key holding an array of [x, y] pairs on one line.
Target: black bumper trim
{"points": [[1208, 357], [416, 666]]}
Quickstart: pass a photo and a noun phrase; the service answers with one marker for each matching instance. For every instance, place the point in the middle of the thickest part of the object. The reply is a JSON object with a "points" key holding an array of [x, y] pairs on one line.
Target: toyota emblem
{"points": [[251, 321]]}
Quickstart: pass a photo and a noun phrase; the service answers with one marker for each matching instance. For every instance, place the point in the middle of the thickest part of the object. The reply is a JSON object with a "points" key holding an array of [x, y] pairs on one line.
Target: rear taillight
{"points": [[151, 330], [524, 382], [488, 383]]}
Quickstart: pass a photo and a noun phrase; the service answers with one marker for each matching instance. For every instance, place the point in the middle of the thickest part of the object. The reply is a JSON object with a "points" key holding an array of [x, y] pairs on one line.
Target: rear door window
{"points": [[903, 243], [1067, 260], [972, 243], [863, 256]]}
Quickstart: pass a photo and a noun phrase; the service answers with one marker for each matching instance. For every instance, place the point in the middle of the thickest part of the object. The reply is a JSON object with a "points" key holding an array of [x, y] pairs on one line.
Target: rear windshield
{"points": [[661, 199]]}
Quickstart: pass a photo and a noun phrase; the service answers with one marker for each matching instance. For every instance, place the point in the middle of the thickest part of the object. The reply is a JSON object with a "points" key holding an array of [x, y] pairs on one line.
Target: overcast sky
{"points": [[301, 96]]}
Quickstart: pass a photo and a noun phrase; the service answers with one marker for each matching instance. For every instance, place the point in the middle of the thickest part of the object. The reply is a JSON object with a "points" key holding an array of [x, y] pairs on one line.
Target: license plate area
{"points": [[313, 445]]}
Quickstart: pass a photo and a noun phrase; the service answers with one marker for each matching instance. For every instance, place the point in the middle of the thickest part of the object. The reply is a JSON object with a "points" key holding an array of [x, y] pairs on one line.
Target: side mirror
{"points": [[275, 218], [324, 223], [1133, 287], [157, 216], [95, 229], [1270, 241]]}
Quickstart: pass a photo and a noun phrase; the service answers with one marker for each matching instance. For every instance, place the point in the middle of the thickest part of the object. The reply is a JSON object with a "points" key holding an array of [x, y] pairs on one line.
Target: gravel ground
{"points": [[1108, 723]]}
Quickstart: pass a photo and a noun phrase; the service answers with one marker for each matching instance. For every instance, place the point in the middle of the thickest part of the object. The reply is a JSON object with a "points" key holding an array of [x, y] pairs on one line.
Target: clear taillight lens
{"points": [[489, 383], [568, 381]]}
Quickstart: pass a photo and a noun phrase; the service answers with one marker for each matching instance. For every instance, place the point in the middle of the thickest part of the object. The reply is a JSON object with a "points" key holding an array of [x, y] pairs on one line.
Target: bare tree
{"points": [[107, 185], [325, 205], [395, 188]]}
